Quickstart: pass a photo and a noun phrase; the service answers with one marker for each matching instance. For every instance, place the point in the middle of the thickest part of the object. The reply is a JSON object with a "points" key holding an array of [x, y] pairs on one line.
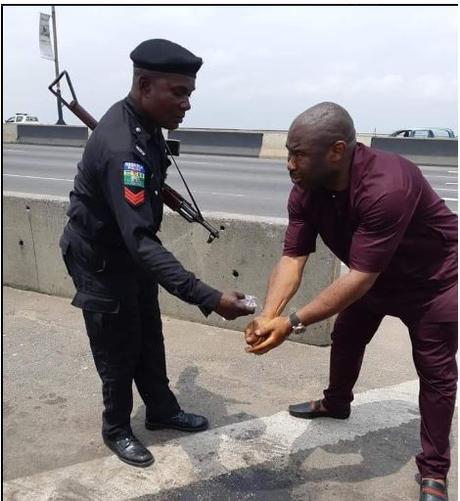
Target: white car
{"points": [[423, 133], [23, 118]]}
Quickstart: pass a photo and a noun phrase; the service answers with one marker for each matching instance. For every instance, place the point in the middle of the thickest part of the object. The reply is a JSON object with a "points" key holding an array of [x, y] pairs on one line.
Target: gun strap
{"points": [[183, 180]]}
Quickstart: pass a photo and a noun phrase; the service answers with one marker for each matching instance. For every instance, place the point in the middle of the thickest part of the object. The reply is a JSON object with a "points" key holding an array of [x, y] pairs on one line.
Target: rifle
{"points": [[171, 197]]}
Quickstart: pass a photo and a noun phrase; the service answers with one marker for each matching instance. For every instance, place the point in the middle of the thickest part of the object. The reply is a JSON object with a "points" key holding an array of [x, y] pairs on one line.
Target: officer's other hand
{"points": [[249, 332], [231, 306]]}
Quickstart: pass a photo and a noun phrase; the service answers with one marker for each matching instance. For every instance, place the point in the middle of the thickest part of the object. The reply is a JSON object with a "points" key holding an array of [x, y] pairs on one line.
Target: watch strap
{"points": [[294, 320]]}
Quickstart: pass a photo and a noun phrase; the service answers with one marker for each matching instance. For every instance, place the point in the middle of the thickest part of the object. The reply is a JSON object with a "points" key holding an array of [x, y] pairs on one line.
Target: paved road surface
{"points": [[237, 185], [253, 451]]}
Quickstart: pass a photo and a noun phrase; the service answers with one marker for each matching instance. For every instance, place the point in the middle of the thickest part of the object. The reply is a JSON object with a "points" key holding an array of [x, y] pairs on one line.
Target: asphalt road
{"points": [[253, 451], [238, 185]]}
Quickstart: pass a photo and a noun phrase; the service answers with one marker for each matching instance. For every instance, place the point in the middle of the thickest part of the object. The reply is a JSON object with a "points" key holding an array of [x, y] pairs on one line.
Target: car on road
{"points": [[423, 132], [23, 118]]}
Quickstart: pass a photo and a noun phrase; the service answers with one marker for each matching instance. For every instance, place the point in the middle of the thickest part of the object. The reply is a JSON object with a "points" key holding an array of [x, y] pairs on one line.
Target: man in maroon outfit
{"points": [[379, 215]]}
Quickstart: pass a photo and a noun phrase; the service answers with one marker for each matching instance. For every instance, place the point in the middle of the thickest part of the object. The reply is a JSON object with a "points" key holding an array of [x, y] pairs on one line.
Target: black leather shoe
{"points": [[182, 421], [430, 490], [130, 450], [311, 410]]}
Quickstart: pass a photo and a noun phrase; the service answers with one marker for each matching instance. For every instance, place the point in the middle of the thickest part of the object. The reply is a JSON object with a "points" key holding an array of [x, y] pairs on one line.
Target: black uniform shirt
{"points": [[117, 203]]}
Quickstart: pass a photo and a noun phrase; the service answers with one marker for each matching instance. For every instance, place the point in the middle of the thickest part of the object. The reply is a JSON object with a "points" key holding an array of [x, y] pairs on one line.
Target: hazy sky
{"points": [[391, 67]]}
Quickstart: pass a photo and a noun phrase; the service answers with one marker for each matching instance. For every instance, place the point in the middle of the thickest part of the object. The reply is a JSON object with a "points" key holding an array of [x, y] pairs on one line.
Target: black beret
{"points": [[165, 56]]}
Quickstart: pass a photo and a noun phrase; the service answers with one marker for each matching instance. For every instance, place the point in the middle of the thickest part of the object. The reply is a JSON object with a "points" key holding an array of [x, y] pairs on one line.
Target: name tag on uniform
{"points": [[134, 183]]}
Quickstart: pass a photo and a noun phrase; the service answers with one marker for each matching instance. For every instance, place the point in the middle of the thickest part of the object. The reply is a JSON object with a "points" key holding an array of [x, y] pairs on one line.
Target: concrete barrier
{"points": [[366, 138], [18, 256], [263, 144], [218, 142], [273, 145], [241, 259], [9, 133], [421, 151], [59, 135]]}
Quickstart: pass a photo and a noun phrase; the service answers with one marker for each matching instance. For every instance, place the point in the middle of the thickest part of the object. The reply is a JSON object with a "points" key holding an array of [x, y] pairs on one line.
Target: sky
{"points": [[390, 66]]}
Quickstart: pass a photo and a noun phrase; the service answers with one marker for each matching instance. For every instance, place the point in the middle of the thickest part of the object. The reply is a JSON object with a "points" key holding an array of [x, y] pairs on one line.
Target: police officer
{"points": [[116, 261]]}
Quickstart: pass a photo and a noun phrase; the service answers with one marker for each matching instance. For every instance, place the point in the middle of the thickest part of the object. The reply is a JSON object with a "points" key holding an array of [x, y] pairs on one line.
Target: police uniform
{"points": [[111, 250]]}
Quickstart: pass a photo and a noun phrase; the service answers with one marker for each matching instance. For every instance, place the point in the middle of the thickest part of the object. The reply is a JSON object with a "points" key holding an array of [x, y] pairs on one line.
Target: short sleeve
{"points": [[382, 224], [301, 234]]}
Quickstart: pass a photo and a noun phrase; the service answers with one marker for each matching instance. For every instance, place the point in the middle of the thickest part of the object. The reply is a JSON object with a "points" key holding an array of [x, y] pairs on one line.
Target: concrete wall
{"points": [[263, 144], [59, 135], [421, 151], [241, 259], [274, 144], [218, 142], [366, 138], [9, 133]]}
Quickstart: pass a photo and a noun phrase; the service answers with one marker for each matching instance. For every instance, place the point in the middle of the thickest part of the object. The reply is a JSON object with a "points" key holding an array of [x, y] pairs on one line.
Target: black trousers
{"points": [[123, 323]]}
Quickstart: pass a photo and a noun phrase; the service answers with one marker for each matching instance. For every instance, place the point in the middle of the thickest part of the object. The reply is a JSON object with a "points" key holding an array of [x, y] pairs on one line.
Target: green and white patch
{"points": [[133, 174]]}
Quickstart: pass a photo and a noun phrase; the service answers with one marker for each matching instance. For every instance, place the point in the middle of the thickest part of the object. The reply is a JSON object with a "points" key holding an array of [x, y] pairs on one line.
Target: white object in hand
{"points": [[250, 301]]}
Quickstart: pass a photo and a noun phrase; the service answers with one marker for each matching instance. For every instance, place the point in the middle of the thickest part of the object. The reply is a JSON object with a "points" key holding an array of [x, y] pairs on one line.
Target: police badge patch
{"points": [[133, 183]]}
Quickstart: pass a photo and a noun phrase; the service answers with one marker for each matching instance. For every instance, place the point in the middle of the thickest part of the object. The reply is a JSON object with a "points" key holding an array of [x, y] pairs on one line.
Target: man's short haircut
{"points": [[142, 72], [328, 122]]}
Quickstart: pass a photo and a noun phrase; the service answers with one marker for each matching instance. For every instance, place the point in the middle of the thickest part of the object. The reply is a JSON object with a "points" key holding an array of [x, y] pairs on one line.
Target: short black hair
{"points": [[329, 121]]}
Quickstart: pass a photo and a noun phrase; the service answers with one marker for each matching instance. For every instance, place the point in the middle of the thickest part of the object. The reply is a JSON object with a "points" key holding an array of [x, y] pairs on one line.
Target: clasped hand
{"points": [[264, 333]]}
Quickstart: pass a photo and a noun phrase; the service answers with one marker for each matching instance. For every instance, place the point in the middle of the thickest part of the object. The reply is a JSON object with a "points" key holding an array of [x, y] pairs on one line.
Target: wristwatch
{"points": [[297, 326]]}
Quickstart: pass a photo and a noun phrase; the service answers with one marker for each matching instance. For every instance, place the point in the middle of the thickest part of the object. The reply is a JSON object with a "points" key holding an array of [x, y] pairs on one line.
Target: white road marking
{"points": [[227, 194], [38, 177], [196, 162], [9, 150], [219, 451], [214, 193], [452, 172], [220, 194], [432, 176], [455, 184]]}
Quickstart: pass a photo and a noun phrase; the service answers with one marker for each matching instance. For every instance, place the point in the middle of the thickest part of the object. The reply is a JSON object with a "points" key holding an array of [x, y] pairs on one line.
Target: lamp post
{"points": [[56, 66]]}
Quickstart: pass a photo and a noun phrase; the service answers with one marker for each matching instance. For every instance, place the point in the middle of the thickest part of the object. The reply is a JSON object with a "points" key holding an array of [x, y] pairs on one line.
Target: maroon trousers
{"points": [[434, 346]]}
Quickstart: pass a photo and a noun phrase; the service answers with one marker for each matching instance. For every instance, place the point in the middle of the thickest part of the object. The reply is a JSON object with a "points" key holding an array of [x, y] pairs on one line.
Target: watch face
{"points": [[294, 320], [298, 329], [297, 326]]}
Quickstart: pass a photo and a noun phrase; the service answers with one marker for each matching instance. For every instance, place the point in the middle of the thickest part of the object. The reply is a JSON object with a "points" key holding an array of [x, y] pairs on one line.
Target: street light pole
{"points": [[56, 66]]}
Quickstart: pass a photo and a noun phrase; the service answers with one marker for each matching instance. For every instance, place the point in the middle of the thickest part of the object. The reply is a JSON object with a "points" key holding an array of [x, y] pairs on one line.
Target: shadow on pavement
{"points": [[376, 454], [188, 392]]}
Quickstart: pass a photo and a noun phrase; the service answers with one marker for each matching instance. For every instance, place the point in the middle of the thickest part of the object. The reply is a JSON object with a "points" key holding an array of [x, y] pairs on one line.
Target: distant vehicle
{"points": [[23, 118], [423, 132]]}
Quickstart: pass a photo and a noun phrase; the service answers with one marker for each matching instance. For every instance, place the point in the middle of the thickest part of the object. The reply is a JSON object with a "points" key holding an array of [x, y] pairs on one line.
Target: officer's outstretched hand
{"points": [[231, 306]]}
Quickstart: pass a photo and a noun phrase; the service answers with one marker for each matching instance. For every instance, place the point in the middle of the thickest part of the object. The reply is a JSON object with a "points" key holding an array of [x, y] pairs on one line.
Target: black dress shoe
{"points": [[311, 410], [183, 421], [430, 490], [130, 450]]}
